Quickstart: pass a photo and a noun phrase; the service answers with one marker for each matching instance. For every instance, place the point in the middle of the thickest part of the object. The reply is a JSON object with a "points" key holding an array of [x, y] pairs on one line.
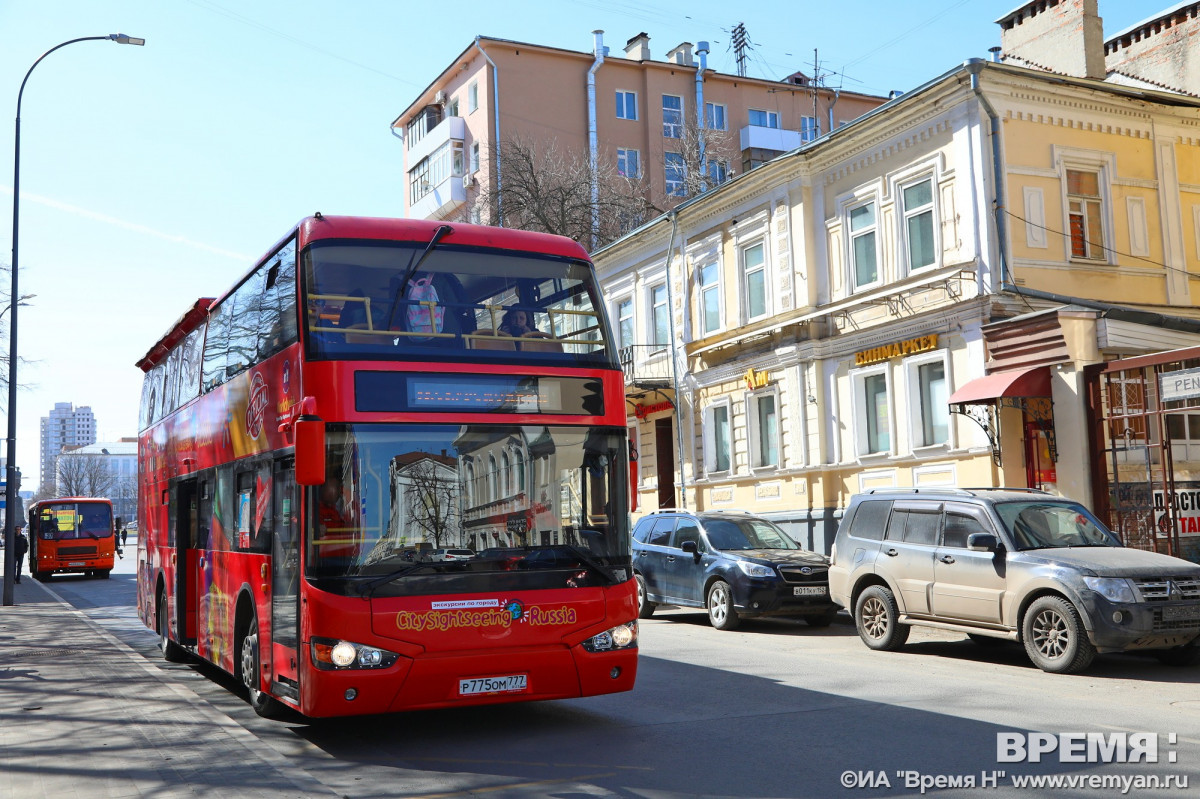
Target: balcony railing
{"points": [[646, 365]]}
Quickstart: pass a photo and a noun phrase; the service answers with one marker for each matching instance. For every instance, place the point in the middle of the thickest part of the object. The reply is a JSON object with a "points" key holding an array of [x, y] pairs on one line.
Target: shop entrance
{"points": [[664, 449]]}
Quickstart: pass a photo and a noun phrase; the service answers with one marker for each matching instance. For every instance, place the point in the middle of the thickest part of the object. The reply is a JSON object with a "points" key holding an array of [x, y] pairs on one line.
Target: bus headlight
{"points": [[623, 636], [331, 654]]}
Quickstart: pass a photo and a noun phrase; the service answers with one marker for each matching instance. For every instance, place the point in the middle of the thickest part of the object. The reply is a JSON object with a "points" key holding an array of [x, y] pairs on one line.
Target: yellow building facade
{"points": [[912, 300]]}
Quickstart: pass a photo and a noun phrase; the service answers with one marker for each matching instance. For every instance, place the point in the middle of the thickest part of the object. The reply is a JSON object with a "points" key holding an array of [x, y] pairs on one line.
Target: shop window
{"points": [[764, 426], [872, 418], [928, 397]]}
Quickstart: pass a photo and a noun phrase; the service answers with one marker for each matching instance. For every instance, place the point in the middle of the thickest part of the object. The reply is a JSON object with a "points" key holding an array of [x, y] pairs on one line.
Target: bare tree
{"points": [[84, 476], [430, 492], [548, 188], [707, 157]]}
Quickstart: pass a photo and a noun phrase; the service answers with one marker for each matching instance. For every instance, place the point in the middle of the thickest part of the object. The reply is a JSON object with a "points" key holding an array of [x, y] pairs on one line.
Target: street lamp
{"points": [[10, 500]]}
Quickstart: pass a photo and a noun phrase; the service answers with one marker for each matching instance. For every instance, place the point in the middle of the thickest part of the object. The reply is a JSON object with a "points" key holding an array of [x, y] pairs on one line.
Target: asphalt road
{"points": [[775, 709]]}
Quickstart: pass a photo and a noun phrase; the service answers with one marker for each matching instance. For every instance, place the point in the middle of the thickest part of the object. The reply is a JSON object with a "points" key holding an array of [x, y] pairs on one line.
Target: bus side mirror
{"points": [[310, 450]]}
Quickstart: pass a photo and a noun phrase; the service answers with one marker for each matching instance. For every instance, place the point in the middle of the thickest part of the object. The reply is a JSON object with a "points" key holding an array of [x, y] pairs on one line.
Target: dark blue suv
{"points": [[733, 564]]}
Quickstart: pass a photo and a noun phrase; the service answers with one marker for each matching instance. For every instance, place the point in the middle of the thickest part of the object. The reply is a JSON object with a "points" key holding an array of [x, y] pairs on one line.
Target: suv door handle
{"points": [[893, 552], [946, 558]]}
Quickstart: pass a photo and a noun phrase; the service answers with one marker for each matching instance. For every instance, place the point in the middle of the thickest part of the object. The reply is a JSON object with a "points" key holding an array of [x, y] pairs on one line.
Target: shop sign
{"points": [[1184, 384], [897, 349], [756, 379], [642, 411], [1186, 504]]}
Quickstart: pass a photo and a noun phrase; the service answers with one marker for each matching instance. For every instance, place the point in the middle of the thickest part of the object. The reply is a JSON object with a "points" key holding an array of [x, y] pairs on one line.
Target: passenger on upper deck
{"points": [[517, 323]]}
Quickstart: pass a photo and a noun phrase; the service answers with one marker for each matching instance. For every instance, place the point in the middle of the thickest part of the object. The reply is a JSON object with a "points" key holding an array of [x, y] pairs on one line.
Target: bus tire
{"points": [[248, 666], [103, 573], [41, 577], [171, 651]]}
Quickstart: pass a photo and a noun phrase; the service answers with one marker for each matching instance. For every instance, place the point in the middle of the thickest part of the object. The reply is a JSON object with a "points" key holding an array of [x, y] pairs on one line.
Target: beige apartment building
{"points": [[630, 111]]}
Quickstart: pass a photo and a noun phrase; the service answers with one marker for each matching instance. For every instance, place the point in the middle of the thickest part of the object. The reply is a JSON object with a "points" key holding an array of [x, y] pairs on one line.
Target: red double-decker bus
{"points": [[389, 470]]}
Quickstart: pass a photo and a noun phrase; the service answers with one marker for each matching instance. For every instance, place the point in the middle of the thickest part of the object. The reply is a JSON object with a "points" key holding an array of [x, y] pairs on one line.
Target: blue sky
{"points": [[154, 175]]}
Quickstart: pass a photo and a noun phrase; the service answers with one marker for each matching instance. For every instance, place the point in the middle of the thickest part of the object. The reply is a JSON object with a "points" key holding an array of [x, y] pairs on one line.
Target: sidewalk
{"points": [[83, 715]]}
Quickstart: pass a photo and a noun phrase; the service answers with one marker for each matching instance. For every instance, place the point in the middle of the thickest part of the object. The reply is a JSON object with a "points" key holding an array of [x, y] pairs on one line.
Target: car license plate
{"points": [[1174, 612], [513, 683], [809, 590], [77, 563]]}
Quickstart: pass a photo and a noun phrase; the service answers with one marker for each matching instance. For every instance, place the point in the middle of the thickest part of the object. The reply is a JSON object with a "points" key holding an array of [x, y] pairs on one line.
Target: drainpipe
{"points": [[975, 66], [702, 53], [496, 148], [598, 50], [675, 365], [836, 94]]}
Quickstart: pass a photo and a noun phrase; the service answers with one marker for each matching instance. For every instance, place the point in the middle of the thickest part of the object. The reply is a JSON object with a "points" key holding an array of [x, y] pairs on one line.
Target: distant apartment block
{"points": [[630, 112], [66, 427]]}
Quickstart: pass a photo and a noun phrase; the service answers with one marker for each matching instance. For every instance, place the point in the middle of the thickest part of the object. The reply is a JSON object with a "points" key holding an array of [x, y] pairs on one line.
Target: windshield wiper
{"points": [[367, 590], [413, 262], [590, 562]]}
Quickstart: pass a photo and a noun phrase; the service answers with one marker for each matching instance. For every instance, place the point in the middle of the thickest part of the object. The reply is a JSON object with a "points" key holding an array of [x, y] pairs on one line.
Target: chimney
{"points": [[638, 48], [682, 55], [1062, 36]]}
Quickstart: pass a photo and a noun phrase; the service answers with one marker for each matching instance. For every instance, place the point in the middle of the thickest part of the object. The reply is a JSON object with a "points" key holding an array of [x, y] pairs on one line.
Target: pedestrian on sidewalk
{"points": [[21, 547]]}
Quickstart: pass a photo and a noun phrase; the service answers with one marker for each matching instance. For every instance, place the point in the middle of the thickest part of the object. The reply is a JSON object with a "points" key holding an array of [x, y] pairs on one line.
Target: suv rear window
{"points": [[660, 534], [870, 519]]}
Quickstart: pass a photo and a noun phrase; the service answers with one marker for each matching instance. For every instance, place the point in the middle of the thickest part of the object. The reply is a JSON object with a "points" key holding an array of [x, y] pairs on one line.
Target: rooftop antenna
{"points": [[739, 48]]}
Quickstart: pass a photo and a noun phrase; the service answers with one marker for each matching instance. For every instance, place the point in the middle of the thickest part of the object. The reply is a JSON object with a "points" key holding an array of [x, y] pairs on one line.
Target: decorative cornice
{"points": [[1078, 124]]}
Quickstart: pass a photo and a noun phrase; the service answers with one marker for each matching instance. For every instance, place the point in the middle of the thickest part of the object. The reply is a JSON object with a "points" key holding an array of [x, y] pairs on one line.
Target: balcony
{"points": [[759, 138], [646, 365], [444, 198], [449, 129]]}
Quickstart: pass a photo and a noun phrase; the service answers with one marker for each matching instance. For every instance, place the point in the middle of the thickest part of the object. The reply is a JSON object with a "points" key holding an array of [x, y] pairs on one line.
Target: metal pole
{"points": [[10, 494]]}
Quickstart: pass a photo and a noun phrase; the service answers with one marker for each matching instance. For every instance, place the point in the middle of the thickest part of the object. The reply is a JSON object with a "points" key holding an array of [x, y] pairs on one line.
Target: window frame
{"points": [[652, 333], [1085, 201], [769, 116], [932, 208], [745, 278], [673, 126], [916, 409], [626, 95], [623, 155], [618, 304], [858, 382], [711, 466], [677, 187], [711, 113], [472, 96], [872, 230], [703, 290], [754, 432]]}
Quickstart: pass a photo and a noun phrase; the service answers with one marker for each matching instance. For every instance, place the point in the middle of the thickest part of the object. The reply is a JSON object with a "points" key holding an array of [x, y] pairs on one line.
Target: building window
{"points": [[764, 119], [873, 418], [928, 399], [472, 96], [710, 298], [625, 323], [628, 165], [754, 267], [808, 128], [714, 116], [659, 310], [429, 173], [1085, 212], [672, 116], [452, 108], [918, 224], [764, 426], [718, 453], [862, 245], [626, 105], [718, 172], [428, 119], [474, 158], [675, 172]]}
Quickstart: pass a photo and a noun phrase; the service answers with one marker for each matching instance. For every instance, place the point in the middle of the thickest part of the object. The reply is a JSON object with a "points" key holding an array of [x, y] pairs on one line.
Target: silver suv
{"points": [[1020, 565]]}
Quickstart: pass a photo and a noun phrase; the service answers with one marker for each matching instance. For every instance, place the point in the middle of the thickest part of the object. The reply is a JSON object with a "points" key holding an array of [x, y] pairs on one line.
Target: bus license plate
{"points": [[808, 590], [77, 563], [513, 683]]}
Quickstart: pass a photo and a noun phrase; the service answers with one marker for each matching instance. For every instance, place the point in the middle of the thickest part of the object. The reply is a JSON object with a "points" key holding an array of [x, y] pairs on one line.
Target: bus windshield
{"points": [[390, 301], [69, 520], [448, 508]]}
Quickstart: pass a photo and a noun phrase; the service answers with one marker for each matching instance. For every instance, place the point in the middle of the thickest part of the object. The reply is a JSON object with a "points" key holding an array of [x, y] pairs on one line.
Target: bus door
{"points": [[187, 557], [285, 571]]}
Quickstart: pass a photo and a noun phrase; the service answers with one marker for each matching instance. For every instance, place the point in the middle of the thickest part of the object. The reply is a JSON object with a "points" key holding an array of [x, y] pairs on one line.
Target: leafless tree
{"points": [[708, 157], [84, 476], [431, 497], [548, 188]]}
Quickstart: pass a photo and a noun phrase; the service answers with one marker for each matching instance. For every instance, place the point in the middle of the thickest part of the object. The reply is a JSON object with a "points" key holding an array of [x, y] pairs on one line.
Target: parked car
{"points": [[733, 564], [1018, 565], [446, 555]]}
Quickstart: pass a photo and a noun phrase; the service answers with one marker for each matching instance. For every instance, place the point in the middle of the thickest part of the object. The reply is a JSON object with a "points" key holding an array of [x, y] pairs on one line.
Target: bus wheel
{"points": [[263, 703], [171, 651], [103, 573], [40, 576]]}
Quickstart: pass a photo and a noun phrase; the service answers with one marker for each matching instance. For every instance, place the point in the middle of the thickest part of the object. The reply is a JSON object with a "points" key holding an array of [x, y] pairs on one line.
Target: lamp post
{"points": [[15, 298]]}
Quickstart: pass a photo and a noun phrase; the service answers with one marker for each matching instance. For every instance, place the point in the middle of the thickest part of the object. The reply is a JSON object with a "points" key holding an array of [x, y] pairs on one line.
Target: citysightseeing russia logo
{"points": [[483, 614], [256, 406]]}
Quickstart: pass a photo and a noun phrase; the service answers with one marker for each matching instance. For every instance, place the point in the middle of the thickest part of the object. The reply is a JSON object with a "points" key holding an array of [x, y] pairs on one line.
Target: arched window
{"points": [[493, 489], [470, 484], [506, 474], [520, 468]]}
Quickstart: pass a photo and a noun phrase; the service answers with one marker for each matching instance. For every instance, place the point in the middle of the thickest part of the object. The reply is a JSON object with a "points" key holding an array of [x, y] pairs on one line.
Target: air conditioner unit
{"points": [[440, 98], [468, 181]]}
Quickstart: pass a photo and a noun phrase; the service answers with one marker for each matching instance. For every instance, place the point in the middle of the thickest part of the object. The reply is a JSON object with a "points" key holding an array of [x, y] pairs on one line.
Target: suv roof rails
{"points": [[698, 512], [968, 491]]}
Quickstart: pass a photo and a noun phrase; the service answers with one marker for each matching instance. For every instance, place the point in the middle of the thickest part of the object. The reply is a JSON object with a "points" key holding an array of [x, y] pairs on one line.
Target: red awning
{"points": [[1034, 382]]}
